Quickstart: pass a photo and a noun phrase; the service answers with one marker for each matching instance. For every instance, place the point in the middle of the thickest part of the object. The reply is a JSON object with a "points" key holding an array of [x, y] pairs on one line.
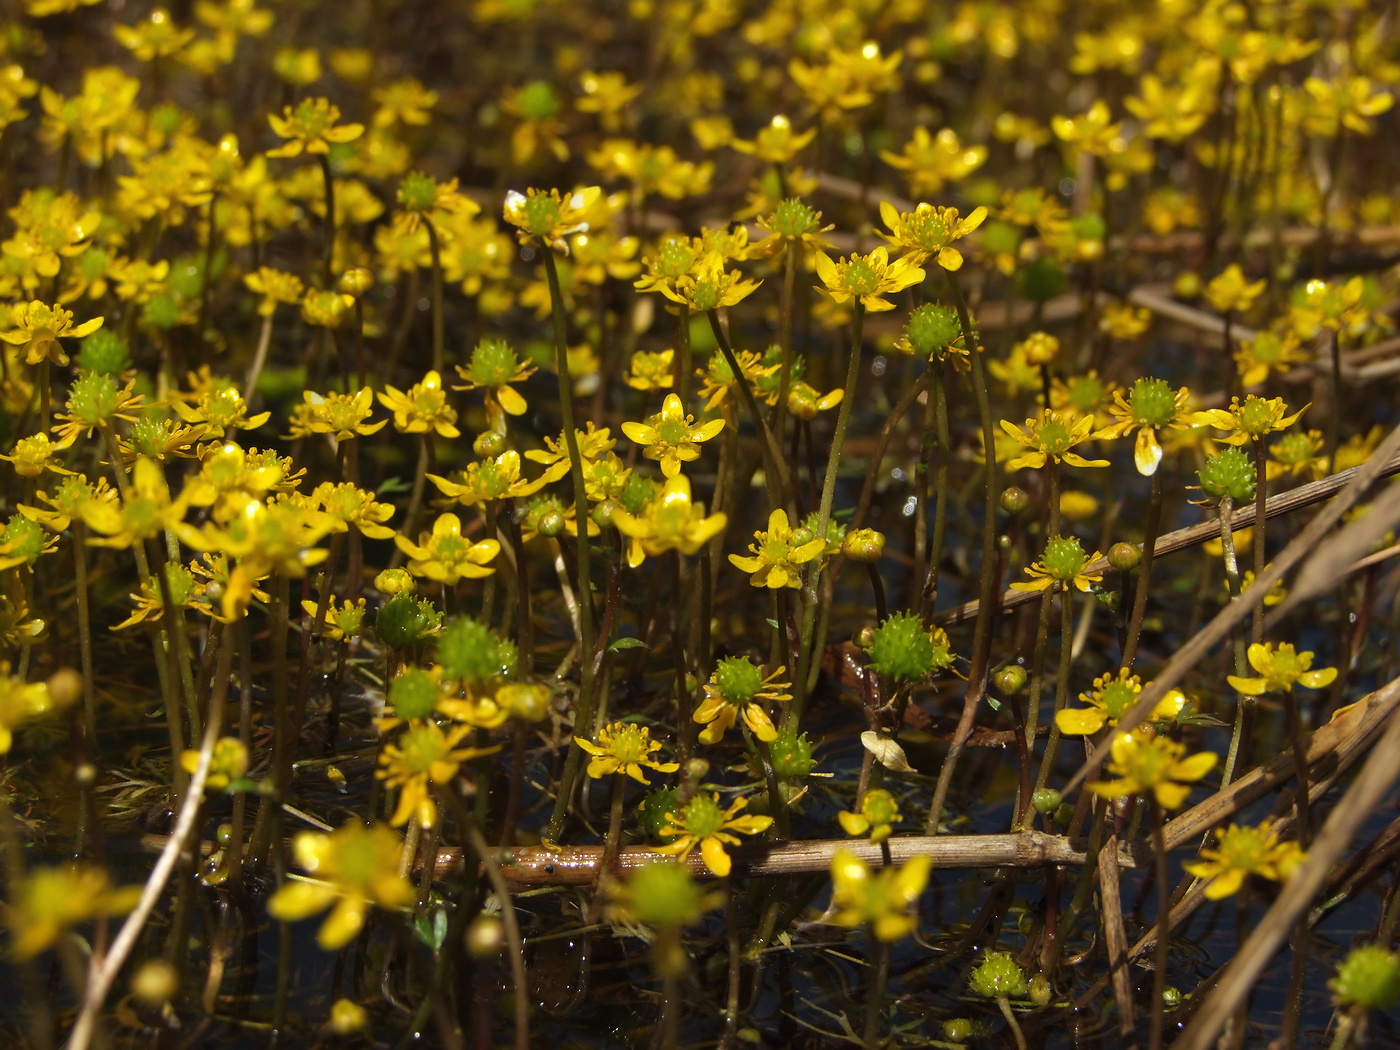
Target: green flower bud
{"points": [[1368, 977], [23, 538], [1045, 800], [489, 444], [1229, 474], [1040, 991], [162, 311], [537, 100], [1187, 285], [355, 281], [1041, 280], [999, 976], [664, 896], [1124, 556], [1153, 402], [902, 648], [957, 1030], [1015, 500], [1009, 680]]}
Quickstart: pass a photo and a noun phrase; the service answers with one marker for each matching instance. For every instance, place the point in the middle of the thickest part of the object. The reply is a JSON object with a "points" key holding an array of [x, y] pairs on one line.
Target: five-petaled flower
{"points": [[1281, 668], [671, 436], [446, 555], [38, 328], [1112, 696], [1052, 436], [777, 553], [929, 232], [736, 688], [867, 277], [1145, 762], [701, 822], [1240, 852], [668, 522], [624, 747], [880, 899]]}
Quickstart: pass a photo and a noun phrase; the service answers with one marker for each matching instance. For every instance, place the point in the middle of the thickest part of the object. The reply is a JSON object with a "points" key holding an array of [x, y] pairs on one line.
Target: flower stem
{"points": [[805, 656], [1261, 487], [1144, 579], [1164, 908], [435, 247], [875, 995], [328, 245], [775, 467], [940, 483], [584, 714]]}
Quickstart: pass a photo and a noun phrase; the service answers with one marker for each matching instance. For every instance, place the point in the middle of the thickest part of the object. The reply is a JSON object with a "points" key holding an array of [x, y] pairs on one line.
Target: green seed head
{"points": [[541, 214], [417, 191], [1010, 680], [737, 680], [414, 694], [1042, 280], [493, 363], [537, 101], [792, 218], [1256, 416], [702, 815], [861, 278], [932, 328], [998, 976], [902, 648], [664, 896], [469, 651], [651, 813], [1368, 977], [792, 754], [23, 538], [163, 311], [104, 351], [93, 398], [1229, 474], [1064, 558], [406, 620], [1153, 402]]}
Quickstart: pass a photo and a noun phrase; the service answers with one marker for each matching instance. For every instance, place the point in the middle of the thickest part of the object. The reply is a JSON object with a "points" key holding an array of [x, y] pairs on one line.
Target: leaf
{"points": [[627, 643], [886, 751]]}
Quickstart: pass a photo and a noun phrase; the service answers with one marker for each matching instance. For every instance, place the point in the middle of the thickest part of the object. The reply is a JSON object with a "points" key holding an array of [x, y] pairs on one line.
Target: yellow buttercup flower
{"points": [[1269, 352], [671, 436], [736, 688], [702, 822], [38, 328], [624, 747], [866, 277], [649, 371], [311, 127], [446, 555], [1149, 406], [777, 554], [1145, 762], [1052, 436], [489, 479], [668, 522], [51, 901], [344, 416], [423, 409], [1248, 420], [548, 217], [879, 812], [422, 755], [929, 232], [776, 142], [1240, 852], [1228, 291], [1281, 668], [931, 161], [275, 286], [1112, 695], [880, 899], [1063, 562], [352, 868]]}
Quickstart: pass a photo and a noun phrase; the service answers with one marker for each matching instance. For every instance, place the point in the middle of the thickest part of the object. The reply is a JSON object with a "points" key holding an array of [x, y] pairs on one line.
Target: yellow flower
{"points": [[493, 367], [421, 755], [1064, 563], [311, 127], [154, 37], [342, 621], [1228, 291], [446, 555], [489, 479], [219, 410], [929, 162], [227, 763], [776, 142], [1112, 695], [866, 277], [185, 592], [344, 416], [1146, 762], [1241, 852], [879, 812], [709, 285], [403, 101], [668, 522], [1051, 437], [275, 286], [145, 512], [735, 688], [52, 900], [22, 702], [1251, 419], [424, 409], [651, 371], [38, 328], [1091, 131], [608, 95], [777, 554], [624, 747], [703, 823], [671, 436], [880, 899], [548, 217], [1268, 352], [353, 868], [1150, 405], [929, 232], [1282, 668], [35, 454]]}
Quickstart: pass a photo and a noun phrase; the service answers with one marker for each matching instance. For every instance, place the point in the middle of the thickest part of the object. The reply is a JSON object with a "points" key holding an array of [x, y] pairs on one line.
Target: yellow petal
{"points": [[716, 859]]}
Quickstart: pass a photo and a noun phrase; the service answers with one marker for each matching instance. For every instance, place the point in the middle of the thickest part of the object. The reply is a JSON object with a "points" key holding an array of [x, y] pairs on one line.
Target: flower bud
{"points": [[485, 936], [489, 443], [957, 1030], [864, 545], [1045, 800], [1368, 977], [155, 982], [999, 976], [1040, 991], [355, 281], [864, 637], [1009, 680], [1124, 556], [1015, 500]]}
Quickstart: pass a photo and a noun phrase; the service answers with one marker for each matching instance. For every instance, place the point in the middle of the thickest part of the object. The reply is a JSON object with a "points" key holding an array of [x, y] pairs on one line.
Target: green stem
{"points": [[85, 638], [1144, 579], [584, 714], [940, 483], [775, 467], [435, 248], [1164, 908], [805, 655], [328, 245], [684, 365], [1261, 488], [875, 995]]}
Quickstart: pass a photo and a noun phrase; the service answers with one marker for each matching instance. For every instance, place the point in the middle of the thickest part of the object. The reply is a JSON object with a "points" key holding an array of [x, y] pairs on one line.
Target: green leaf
{"points": [[627, 643]]}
